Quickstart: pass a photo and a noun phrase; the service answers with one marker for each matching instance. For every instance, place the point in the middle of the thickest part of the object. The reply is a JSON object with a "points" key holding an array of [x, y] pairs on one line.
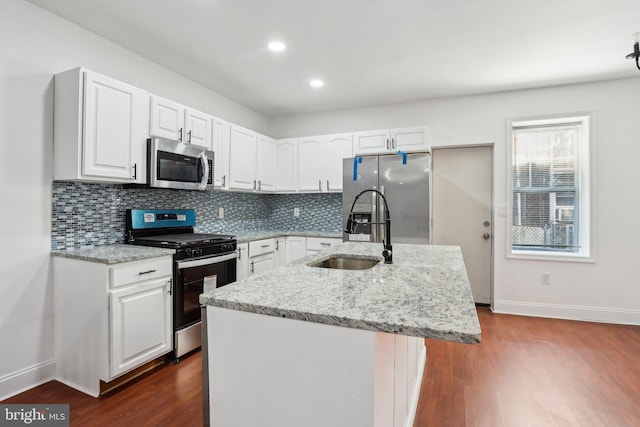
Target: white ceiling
{"points": [[369, 52]]}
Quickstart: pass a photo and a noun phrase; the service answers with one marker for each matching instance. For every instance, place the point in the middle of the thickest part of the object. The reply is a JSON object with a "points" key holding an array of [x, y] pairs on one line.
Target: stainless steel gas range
{"points": [[201, 261]]}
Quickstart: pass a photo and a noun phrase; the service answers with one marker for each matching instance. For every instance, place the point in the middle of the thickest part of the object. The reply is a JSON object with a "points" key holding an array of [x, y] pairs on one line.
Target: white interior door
{"points": [[462, 210]]}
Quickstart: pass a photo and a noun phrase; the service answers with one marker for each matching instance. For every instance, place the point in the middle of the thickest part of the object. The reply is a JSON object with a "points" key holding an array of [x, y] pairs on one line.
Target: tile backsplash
{"points": [[94, 214]]}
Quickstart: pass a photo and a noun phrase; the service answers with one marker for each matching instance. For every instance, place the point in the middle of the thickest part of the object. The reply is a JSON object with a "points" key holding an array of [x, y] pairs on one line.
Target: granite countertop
{"points": [[424, 293], [113, 254], [247, 236]]}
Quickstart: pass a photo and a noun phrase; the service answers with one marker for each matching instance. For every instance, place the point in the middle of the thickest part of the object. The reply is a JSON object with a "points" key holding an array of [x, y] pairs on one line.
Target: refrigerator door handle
{"points": [[374, 217]]}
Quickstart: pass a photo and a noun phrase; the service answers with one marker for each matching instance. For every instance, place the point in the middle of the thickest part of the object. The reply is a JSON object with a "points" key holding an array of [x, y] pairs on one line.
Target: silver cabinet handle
{"points": [[239, 253], [224, 180], [254, 184], [170, 287], [180, 134], [320, 184], [325, 244], [252, 266], [135, 170], [146, 272], [393, 143], [264, 246], [387, 143], [277, 245], [259, 185], [327, 185], [189, 137]]}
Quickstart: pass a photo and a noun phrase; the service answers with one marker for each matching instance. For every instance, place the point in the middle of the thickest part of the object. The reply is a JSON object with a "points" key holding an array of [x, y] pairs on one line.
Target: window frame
{"points": [[585, 194]]}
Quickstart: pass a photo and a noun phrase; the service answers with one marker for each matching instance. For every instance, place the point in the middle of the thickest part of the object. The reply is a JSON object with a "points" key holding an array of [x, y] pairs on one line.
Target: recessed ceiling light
{"points": [[316, 83], [277, 46]]}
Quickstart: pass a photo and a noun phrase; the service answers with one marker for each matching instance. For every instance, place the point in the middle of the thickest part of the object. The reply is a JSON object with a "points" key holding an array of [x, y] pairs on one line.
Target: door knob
{"points": [[486, 236]]}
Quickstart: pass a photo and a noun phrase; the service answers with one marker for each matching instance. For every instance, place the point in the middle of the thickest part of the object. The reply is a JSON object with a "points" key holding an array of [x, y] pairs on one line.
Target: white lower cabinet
{"points": [[296, 248], [109, 319], [261, 255], [242, 266], [140, 328], [318, 244], [280, 252]]}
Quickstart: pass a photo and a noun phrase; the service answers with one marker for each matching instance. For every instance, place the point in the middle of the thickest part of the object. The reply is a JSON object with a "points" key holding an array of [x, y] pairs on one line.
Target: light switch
{"points": [[221, 213]]}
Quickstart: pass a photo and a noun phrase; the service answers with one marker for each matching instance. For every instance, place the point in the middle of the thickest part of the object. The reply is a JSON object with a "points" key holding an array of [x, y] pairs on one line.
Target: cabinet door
{"points": [[112, 127], [286, 174], [376, 141], [410, 139], [296, 248], [242, 159], [141, 324], [266, 163], [242, 265], [310, 164], [336, 148], [221, 153], [198, 128], [280, 252], [166, 119], [260, 264]]}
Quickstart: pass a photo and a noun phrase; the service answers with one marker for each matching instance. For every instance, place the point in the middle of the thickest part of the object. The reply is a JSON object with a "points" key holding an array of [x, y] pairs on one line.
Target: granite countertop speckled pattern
{"points": [[113, 254], [247, 236], [424, 293]]}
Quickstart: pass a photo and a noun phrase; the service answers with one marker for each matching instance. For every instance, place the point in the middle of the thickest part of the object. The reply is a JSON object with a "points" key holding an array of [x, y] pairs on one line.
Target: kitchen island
{"points": [[315, 346]]}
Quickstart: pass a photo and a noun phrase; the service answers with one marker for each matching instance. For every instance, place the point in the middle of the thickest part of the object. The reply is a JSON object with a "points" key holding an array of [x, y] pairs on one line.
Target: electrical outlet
{"points": [[296, 212], [221, 213], [502, 210], [545, 278]]}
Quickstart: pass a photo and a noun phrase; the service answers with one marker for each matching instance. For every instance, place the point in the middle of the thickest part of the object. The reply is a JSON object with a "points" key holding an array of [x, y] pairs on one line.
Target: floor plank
{"points": [[526, 372]]}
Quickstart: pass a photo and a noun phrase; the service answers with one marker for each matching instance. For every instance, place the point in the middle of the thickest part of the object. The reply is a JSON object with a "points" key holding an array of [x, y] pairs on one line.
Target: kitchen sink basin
{"points": [[345, 262]]}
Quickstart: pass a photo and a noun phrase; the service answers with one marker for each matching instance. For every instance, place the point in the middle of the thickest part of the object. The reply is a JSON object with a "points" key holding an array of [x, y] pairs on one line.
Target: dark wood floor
{"points": [[526, 372]]}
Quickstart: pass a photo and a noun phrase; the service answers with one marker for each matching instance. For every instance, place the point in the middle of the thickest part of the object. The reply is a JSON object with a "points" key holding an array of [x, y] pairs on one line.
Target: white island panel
{"points": [[271, 371]]}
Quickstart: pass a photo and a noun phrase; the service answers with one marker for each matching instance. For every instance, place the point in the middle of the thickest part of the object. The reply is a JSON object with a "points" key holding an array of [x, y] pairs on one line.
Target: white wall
{"points": [[607, 290], [36, 45]]}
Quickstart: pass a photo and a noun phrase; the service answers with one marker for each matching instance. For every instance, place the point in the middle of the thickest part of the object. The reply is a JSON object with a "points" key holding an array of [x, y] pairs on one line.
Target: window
{"points": [[550, 200]]}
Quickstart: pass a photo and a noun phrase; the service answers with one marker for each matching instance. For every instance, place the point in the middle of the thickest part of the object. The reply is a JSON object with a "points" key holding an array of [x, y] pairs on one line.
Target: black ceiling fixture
{"points": [[636, 49]]}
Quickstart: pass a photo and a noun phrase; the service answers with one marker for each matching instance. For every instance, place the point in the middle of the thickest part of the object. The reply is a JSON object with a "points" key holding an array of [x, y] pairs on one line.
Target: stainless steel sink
{"points": [[345, 262]]}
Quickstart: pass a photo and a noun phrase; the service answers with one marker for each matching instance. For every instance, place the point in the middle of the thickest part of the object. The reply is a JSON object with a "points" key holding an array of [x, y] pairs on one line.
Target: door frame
{"points": [[493, 189]]}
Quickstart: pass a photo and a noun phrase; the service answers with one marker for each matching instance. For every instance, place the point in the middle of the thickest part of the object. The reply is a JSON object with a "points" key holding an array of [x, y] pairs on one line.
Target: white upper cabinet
{"points": [[336, 148], [391, 140], [242, 158], [286, 174], [99, 127], [266, 163], [198, 128], [410, 139], [221, 135], [176, 122], [320, 162]]}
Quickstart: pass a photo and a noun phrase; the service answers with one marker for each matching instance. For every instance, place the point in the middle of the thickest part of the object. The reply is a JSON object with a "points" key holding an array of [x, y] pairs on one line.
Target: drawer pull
{"points": [[325, 244], [146, 272], [264, 246]]}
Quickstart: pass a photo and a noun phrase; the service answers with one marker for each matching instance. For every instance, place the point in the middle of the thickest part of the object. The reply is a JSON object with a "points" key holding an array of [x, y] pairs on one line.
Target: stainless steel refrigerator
{"points": [[404, 181]]}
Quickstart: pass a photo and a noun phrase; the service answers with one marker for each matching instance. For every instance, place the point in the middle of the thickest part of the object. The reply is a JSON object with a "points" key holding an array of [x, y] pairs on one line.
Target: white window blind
{"points": [[547, 193]]}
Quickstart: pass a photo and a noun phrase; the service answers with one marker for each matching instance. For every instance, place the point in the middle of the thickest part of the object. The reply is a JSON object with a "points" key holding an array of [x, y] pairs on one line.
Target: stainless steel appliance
{"points": [[404, 181], [180, 166], [201, 261]]}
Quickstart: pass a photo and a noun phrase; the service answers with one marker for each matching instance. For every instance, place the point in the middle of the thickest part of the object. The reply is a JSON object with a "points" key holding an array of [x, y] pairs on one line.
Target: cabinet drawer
{"points": [[136, 271], [320, 243], [259, 247]]}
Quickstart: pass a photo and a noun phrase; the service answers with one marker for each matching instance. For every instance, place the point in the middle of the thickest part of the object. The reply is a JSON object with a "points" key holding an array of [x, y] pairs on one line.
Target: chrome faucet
{"points": [[387, 253]]}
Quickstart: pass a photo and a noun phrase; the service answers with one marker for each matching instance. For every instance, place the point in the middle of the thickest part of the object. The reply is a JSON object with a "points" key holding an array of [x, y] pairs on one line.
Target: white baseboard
{"points": [[570, 312], [27, 378]]}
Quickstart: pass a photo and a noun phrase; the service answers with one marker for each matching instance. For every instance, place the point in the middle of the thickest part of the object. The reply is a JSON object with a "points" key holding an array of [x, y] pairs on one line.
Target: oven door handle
{"points": [[205, 261]]}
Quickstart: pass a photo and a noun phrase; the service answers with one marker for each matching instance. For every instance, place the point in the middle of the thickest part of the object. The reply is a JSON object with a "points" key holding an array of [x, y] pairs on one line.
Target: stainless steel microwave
{"points": [[181, 166]]}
